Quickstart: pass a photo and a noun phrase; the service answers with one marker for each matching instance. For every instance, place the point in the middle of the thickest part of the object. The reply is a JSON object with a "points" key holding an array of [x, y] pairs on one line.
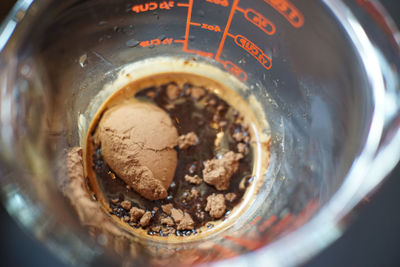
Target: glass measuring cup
{"points": [[325, 75]]}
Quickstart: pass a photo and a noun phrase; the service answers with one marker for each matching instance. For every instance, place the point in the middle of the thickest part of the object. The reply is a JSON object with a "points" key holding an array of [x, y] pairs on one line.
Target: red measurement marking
{"points": [[185, 44], [204, 54], [152, 6], [279, 227], [267, 223], [246, 243], [224, 3], [206, 26], [256, 52], [214, 28], [235, 70], [288, 10], [253, 222], [179, 41], [156, 42], [228, 24], [260, 21], [227, 253], [240, 9], [182, 4]]}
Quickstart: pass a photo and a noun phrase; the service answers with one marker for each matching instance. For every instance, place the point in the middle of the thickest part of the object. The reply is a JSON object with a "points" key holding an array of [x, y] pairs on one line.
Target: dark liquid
{"points": [[206, 116]]}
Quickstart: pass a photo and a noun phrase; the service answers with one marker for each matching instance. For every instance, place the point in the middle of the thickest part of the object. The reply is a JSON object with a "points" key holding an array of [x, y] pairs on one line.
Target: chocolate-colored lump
{"points": [[216, 206], [187, 140], [193, 179], [137, 142], [219, 171]]}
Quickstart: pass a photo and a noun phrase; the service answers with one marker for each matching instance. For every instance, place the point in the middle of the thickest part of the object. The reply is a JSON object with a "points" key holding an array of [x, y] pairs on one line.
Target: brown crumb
{"points": [[126, 218], [200, 215], [197, 92], [230, 197], [222, 124], [173, 91], [155, 228], [151, 94], [169, 106], [167, 208], [212, 102], [177, 214], [168, 230], [193, 179], [242, 148], [221, 108], [126, 204], [216, 206], [215, 118], [183, 219], [144, 221], [239, 136], [218, 172], [136, 214], [187, 140], [194, 193], [115, 200], [167, 221]]}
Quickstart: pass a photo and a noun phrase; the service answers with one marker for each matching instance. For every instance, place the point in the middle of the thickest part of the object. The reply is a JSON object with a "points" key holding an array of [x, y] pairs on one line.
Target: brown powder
{"points": [[193, 179], [216, 206], [197, 92], [218, 172], [182, 219], [173, 91], [187, 140], [242, 148], [126, 204], [136, 214], [230, 197], [167, 221], [144, 221], [167, 208], [137, 141]]}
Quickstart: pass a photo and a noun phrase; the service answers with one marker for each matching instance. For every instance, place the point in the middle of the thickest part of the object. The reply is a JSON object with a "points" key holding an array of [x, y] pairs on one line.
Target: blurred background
{"points": [[372, 239]]}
